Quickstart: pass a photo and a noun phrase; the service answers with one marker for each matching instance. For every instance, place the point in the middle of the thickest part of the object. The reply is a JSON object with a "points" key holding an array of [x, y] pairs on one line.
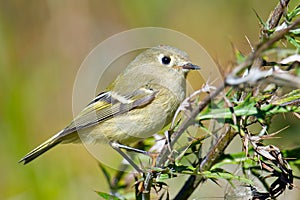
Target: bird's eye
{"points": [[166, 60]]}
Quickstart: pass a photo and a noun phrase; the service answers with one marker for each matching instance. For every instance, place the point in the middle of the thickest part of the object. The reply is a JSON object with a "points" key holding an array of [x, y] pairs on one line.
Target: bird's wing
{"points": [[107, 105], [103, 107]]}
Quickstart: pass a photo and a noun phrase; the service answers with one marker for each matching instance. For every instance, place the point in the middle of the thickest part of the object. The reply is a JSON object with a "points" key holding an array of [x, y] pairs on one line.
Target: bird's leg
{"points": [[128, 148], [116, 146]]}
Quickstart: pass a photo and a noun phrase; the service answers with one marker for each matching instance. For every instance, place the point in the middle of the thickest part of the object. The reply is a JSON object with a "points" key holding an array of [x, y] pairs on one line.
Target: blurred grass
{"points": [[42, 44]]}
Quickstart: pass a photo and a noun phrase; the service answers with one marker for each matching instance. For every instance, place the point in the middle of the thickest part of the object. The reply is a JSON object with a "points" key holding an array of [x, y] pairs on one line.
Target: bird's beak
{"points": [[190, 66], [187, 67]]}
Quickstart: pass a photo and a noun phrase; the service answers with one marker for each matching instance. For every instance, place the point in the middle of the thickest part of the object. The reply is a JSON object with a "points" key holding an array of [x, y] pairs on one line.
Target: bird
{"points": [[137, 104]]}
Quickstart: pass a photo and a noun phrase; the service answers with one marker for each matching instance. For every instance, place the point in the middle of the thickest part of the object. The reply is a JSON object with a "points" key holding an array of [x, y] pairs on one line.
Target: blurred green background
{"points": [[42, 44]]}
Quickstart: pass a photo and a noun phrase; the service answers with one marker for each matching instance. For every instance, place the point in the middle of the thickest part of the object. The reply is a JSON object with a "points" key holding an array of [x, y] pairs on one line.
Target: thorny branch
{"points": [[233, 79], [275, 17]]}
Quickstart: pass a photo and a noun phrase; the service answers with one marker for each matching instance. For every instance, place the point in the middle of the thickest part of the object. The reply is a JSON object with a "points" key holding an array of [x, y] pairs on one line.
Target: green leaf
{"points": [[163, 177], [105, 172], [293, 41], [293, 155], [292, 98], [295, 31], [236, 159], [107, 196], [293, 13], [249, 108], [260, 20], [227, 159], [225, 175], [239, 57]]}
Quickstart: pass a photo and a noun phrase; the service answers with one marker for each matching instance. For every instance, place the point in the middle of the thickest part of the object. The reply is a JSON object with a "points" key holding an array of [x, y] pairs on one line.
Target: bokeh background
{"points": [[42, 44]]}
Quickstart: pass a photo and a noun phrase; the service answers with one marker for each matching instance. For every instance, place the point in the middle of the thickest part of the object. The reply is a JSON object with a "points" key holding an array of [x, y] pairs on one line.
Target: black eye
{"points": [[166, 60]]}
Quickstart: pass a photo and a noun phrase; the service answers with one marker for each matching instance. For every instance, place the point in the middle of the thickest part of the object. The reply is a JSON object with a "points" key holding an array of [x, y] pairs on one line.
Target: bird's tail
{"points": [[53, 141]]}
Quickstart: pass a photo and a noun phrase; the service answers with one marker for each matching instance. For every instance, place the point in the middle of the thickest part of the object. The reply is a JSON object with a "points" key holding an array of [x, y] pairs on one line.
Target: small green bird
{"points": [[140, 102]]}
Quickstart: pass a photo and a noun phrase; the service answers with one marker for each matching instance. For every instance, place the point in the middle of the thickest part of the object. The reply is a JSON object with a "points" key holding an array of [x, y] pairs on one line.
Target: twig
{"points": [[163, 156], [258, 51], [225, 139], [211, 158], [276, 15]]}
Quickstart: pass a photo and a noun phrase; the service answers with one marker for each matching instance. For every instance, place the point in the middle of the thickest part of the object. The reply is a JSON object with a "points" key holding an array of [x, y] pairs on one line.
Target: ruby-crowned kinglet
{"points": [[140, 102]]}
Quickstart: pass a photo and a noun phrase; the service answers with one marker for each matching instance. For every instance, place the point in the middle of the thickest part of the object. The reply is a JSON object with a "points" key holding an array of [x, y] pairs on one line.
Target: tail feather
{"points": [[53, 141]]}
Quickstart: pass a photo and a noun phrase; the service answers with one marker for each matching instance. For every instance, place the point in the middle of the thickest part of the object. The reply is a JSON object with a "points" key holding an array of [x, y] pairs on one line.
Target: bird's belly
{"points": [[127, 128], [131, 126]]}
